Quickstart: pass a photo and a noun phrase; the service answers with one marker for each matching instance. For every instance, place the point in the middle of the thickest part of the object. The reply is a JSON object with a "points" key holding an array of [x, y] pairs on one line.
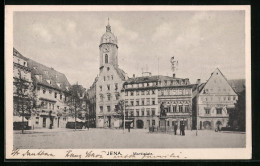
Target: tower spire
{"points": [[108, 27]]}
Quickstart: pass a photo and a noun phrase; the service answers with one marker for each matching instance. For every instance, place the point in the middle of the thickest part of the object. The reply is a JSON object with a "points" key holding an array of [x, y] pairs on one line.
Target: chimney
{"points": [[198, 81], [173, 75], [134, 75], [150, 74]]}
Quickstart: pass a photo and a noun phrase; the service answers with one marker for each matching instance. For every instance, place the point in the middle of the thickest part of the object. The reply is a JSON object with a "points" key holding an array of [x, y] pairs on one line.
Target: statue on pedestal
{"points": [[162, 111]]}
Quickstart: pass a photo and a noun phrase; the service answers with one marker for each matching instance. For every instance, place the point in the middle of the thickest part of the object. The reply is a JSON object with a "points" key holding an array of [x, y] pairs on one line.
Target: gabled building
{"points": [[109, 82], [51, 88], [213, 99]]}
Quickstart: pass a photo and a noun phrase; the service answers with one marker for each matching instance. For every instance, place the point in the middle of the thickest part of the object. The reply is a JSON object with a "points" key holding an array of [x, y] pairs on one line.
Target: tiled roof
{"points": [[121, 73], [237, 84], [19, 55], [48, 73]]}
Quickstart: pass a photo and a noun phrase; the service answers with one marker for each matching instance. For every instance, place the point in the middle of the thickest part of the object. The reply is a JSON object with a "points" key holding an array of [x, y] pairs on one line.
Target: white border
{"points": [[214, 153]]}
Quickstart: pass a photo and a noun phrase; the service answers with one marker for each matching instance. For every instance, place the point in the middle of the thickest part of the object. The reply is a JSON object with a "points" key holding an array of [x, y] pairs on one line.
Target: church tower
{"points": [[108, 48]]}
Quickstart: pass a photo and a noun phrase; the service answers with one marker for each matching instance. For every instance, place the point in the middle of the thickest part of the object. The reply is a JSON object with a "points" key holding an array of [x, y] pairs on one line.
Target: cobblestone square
{"points": [[137, 138]]}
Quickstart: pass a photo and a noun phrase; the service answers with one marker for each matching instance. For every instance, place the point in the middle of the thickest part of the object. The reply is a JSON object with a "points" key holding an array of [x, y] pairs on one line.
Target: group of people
{"points": [[182, 129]]}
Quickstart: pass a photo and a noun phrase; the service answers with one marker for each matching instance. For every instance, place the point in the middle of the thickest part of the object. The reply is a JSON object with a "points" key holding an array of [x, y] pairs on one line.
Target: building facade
{"points": [[51, 89], [214, 99], [109, 82], [22, 85], [145, 95], [91, 97]]}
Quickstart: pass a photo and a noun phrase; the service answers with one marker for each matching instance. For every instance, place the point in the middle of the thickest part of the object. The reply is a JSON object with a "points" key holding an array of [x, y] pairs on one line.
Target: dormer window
{"points": [[49, 81], [24, 63]]}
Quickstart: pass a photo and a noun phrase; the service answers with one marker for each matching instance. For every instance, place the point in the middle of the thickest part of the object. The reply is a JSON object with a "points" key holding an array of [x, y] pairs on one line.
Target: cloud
{"points": [[41, 32]]}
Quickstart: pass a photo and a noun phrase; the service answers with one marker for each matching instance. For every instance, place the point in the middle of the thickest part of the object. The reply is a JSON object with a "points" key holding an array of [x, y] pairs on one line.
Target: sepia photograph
{"points": [[128, 82]]}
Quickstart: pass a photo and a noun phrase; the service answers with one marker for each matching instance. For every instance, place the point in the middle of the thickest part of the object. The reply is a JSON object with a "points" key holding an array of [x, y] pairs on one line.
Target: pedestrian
{"points": [[181, 128], [175, 128]]}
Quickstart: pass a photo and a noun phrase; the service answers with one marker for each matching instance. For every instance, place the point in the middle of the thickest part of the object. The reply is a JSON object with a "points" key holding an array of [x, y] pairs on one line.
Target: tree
{"points": [[76, 101], [23, 98], [120, 110], [237, 116]]}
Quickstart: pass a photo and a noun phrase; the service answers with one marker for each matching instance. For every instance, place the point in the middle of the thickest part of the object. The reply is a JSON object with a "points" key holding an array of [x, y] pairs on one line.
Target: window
{"points": [[126, 102], [65, 109], [108, 108], [112, 77], [37, 120], [108, 97], [64, 119], [117, 96], [108, 68], [55, 94], [186, 108], [132, 102], [153, 122], [180, 108], [132, 113], [137, 113], [219, 110], [153, 92], [137, 102], [224, 98], [142, 112], [101, 109], [153, 101], [142, 101], [142, 93], [101, 98], [168, 123], [60, 96], [132, 93], [50, 91], [108, 87], [126, 93], [104, 78], [100, 87], [234, 97], [147, 101], [148, 111], [106, 58], [38, 88], [174, 108], [228, 97], [43, 90], [137, 93], [148, 92], [207, 110], [116, 86], [153, 111], [162, 92]]}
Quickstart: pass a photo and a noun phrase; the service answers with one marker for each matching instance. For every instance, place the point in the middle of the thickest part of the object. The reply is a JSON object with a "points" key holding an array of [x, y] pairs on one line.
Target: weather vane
{"points": [[174, 64]]}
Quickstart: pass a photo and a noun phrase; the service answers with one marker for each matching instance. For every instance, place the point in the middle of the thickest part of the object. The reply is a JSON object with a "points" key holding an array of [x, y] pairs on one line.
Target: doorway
{"points": [[109, 121], [43, 122], [139, 124]]}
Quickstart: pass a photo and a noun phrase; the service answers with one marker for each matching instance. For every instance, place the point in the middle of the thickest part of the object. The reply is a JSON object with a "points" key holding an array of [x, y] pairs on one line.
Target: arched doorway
{"points": [[219, 124], [207, 125], [139, 124]]}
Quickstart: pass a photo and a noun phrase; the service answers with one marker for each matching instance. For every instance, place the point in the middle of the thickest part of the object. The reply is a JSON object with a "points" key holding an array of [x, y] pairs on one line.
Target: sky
{"points": [[201, 41]]}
